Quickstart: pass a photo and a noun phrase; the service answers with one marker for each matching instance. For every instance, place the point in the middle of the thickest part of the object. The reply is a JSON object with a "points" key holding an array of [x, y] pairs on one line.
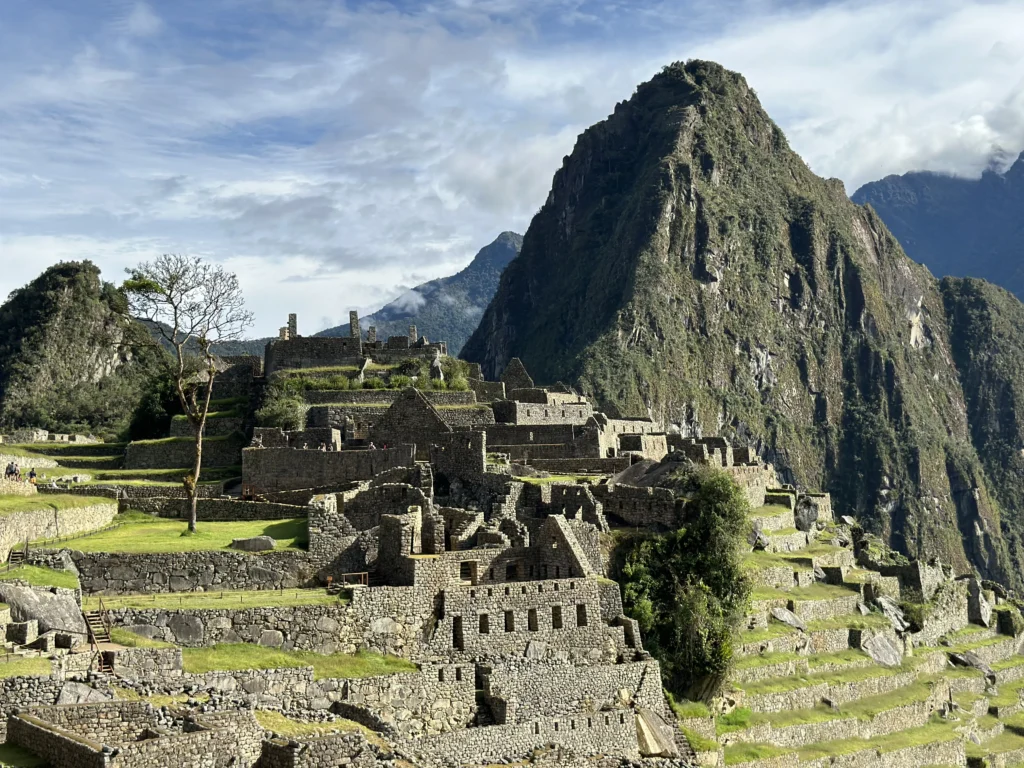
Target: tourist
{"points": [[32, 475], [371, 446]]}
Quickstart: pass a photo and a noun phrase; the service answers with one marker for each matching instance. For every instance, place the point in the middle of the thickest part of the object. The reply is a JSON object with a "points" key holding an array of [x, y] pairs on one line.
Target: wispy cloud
{"points": [[331, 152]]}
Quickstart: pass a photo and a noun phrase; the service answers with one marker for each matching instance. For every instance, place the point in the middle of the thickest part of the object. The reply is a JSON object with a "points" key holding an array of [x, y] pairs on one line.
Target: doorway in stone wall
{"points": [[458, 640]]}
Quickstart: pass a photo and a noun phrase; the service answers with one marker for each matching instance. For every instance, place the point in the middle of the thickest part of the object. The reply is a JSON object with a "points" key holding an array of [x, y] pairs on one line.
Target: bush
{"points": [[282, 409], [687, 589], [400, 382], [373, 382], [458, 384]]}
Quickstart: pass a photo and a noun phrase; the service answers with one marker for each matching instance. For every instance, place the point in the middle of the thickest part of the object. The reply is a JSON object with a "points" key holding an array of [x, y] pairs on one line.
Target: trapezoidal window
{"points": [[581, 615], [556, 617], [510, 621], [531, 619], [485, 624]]}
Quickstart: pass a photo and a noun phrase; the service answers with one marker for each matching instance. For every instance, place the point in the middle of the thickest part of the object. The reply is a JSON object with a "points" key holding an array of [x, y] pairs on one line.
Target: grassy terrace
{"points": [[197, 601], [22, 667], [241, 656], [47, 502], [16, 757], [800, 594], [775, 630], [560, 479], [798, 561], [136, 532], [935, 732], [41, 577]]}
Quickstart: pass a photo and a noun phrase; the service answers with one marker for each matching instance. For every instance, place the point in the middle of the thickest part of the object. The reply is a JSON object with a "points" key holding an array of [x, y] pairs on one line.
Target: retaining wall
{"points": [[17, 527]]}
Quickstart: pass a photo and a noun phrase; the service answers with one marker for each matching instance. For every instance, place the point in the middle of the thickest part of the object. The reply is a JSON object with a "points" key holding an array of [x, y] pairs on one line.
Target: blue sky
{"points": [[334, 153]]}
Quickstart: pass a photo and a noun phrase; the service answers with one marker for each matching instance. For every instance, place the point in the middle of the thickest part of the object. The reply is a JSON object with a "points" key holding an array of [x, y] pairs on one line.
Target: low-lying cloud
{"points": [[331, 152]]}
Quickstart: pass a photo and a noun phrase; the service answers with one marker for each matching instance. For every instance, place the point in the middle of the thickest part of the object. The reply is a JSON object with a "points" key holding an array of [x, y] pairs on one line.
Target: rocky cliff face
{"points": [[688, 264], [957, 226], [449, 308], [70, 358]]}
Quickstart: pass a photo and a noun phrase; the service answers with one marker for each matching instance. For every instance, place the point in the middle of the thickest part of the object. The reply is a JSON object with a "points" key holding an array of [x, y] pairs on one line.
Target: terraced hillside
{"points": [[853, 656]]}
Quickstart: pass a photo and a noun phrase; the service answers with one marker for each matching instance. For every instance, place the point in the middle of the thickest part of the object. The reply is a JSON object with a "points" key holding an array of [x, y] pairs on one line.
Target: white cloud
{"points": [[331, 153]]}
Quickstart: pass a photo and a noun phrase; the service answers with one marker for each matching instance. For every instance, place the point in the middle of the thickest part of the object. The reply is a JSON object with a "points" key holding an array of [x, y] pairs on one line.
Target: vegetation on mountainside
{"points": [[688, 265], [688, 590], [71, 358], [192, 304], [446, 309]]}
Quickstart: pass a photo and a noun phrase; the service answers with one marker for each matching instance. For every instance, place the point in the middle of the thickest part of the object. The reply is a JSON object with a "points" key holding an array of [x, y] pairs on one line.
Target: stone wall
{"points": [[219, 509], [524, 691], [115, 573], [384, 397], [214, 427], [59, 748], [608, 733], [282, 469], [582, 466], [514, 412], [641, 507], [501, 621], [311, 352], [180, 452], [487, 391], [17, 527], [328, 751], [20, 692], [27, 463]]}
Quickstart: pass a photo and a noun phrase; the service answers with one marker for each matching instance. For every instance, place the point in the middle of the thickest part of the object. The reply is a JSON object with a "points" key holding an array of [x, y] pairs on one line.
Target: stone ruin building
{"points": [[433, 518]]}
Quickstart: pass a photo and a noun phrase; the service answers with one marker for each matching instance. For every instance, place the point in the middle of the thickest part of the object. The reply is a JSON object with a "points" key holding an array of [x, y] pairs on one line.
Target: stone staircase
{"points": [[812, 688]]}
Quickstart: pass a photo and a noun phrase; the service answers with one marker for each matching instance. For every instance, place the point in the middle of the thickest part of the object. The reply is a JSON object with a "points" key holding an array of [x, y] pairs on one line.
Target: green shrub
{"points": [[687, 589], [282, 409], [458, 384], [400, 382], [373, 382], [916, 614]]}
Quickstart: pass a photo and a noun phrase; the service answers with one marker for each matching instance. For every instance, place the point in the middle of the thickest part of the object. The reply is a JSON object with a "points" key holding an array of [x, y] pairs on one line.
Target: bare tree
{"points": [[193, 305]]}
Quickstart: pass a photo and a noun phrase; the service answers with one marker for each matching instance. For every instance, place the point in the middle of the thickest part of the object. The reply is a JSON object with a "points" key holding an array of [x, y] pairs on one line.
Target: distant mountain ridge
{"points": [[957, 226], [448, 308]]}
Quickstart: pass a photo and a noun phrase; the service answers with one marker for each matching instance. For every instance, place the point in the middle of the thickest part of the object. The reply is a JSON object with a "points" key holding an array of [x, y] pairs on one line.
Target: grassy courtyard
{"points": [[47, 502], [199, 601], [24, 667], [136, 532], [230, 657]]}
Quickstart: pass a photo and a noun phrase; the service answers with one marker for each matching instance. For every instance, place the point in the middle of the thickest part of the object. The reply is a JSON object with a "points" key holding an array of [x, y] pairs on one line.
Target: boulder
{"points": [[819, 574], [805, 514], [654, 736], [788, 617], [271, 638], [893, 613], [57, 612], [254, 544], [187, 630], [973, 660], [979, 610], [80, 693], [847, 520], [882, 651]]}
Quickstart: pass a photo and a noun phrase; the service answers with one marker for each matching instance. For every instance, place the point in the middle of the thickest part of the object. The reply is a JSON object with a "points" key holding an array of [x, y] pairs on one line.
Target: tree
{"points": [[687, 589], [193, 305]]}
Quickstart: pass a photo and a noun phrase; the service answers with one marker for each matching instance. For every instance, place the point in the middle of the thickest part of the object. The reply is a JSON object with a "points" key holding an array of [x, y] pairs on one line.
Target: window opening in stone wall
{"points": [[556, 587], [581, 615], [607, 720], [507, 591], [590, 722], [558, 571], [531, 619], [511, 572], [572, 724], [510, 621], [545, 571], [540, 588], [440, 675], [466, 570], [536, 728], [622, 719], [457, 640], [524, 590], [556, 726], [490, 592], [491, 575], [485, 624], [556, 617], [458, 674]]}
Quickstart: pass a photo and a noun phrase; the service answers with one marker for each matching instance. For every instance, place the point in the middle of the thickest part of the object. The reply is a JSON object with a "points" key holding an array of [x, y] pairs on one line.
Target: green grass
{"points": [[198, 601], [773, 631], [142, 533], [41, 577], [241, 656], [745, 753], [737, 720], [769, 510], [230, 413], [186, 439], [934, 732], [131, 640], [25, 667], [698, 742], [792, 683], [813, 592], [16, 757], [850, 621], [684, 708], [560, 479], [47, 502]]}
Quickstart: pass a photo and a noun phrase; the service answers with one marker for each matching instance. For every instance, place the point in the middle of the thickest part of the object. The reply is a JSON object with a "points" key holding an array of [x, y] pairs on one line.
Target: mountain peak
{"points": [[448, 308]]}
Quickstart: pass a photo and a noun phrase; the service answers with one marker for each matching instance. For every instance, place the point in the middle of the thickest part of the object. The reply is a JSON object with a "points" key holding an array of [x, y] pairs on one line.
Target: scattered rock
{"points": [[847, 520], [654, 736], [892, 612], [80, 693], [788, 617], [57, 612], [979, 610], [805, 514], [254, 544], [864, 610], [879, 648], [819, 574]]}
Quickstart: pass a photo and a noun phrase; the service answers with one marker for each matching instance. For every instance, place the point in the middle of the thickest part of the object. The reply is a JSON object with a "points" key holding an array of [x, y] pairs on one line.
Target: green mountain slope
{"points": [[449, 308], [688, 264], [957, 226], [70, 358]]}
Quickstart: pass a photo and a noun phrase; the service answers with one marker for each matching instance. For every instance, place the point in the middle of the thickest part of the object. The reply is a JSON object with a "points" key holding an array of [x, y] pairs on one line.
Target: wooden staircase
{"points": [[17, 557]]}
